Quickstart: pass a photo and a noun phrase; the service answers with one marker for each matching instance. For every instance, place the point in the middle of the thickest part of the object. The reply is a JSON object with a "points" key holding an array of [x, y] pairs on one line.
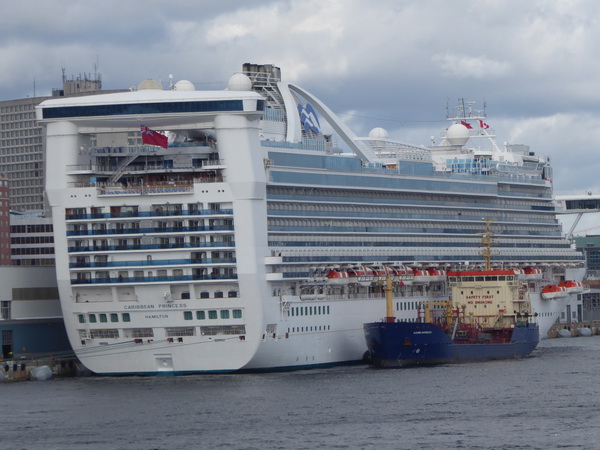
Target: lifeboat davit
{"points": [[337, 276], [572, 287], [552, 291]]}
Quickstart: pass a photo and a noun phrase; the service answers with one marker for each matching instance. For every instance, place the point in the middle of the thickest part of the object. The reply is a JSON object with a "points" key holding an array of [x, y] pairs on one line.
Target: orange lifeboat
{"points": [[552, 291], [572, 287], [337, 276], [532, 273]]}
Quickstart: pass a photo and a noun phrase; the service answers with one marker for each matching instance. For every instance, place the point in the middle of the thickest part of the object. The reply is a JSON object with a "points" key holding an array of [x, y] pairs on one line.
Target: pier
{"points": [[25, 369], [574, 329]]}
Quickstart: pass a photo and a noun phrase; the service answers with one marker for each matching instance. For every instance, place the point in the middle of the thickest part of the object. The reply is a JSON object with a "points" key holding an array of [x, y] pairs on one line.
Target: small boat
{"points": [[533, 273], [379, 271], [552, 291], [421, 276], [404, 275], [436, 274], [572, 287], [335, 275], [360, 274]]}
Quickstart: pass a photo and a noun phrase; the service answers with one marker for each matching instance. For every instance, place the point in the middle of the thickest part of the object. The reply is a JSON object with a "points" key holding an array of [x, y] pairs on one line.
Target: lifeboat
{"points": [[532, 273], [337, 276], [572, 287], [360, 274], [421, 276], [403, 275], [436, 274], [379, 271], [552, 291]]}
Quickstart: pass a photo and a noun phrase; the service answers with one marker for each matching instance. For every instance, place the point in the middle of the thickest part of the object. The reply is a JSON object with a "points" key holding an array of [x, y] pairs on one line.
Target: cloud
{"points": [[389, 63], [463, 66]]}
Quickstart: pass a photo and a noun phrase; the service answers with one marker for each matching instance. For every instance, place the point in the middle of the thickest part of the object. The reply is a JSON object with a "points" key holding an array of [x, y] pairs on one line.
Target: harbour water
{"points": [[549, 400]]}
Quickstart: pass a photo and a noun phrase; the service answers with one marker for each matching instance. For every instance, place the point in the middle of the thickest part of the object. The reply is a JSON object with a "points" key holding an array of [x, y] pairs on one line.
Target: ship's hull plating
{"points": [[407, 344]]}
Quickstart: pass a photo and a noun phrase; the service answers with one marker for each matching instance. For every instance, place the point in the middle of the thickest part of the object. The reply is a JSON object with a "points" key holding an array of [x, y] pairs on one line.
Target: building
{"points": [[22, 152], [31, 240]]}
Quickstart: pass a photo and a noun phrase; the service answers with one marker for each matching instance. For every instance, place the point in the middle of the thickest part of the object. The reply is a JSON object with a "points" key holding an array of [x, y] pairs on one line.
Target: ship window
{"points": [[103, 318], [292, 311], [103, 334], [187, 315], [301, 311], [212, 314], [310, 310], [114, 317], [142, 332], [237, 313], [180, 331], [479, 278], [232, 294], [204, 294], [327, 309], [92, 318], [126, 317], [224, 314], [306, 310], [218, 294], [81, 318], [200, 315]]}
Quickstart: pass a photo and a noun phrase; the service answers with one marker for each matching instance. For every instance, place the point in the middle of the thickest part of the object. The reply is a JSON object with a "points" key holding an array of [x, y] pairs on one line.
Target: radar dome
{"points": [[457, 134], [239, 82], [184, 85], [149, 84], [378, 133]]}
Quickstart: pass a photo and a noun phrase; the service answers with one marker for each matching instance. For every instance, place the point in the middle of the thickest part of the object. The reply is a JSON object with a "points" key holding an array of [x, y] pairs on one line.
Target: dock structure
{"points": [[24, 369], [575, 329]]}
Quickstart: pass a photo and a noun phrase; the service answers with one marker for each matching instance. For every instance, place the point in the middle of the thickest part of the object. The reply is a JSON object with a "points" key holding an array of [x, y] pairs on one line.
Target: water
{"points": [[550, 400]]}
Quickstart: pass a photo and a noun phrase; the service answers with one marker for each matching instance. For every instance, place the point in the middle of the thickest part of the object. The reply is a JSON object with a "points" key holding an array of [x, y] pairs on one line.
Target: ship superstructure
{"points": [[260, 237]]}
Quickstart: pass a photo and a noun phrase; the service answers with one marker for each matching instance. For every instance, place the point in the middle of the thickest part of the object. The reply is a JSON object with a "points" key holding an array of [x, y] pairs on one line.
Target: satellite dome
{"points": [[457, 134], [149, 84], [184, 85], [378, 133], [239, 82]]}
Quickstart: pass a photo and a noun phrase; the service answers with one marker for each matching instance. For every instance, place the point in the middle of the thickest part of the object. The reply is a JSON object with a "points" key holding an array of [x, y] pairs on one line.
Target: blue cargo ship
{"points": [[489, 316]]}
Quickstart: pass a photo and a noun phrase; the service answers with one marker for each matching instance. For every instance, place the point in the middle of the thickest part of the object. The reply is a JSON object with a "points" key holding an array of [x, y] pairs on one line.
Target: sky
{"points": [[395, 64]]}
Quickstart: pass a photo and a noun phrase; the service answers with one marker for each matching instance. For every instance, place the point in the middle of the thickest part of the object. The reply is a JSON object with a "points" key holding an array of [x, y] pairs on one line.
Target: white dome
{"points": [[184, 85], [378, 133], [239, 82], [149, 84], [457, 134]]}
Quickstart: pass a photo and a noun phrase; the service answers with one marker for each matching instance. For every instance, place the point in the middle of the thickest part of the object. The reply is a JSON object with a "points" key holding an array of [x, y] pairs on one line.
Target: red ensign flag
{"points": [[152, 137]]}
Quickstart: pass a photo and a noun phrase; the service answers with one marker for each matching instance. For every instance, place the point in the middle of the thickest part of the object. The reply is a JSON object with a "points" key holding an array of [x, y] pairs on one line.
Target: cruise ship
{"points": [[250, 229]]}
